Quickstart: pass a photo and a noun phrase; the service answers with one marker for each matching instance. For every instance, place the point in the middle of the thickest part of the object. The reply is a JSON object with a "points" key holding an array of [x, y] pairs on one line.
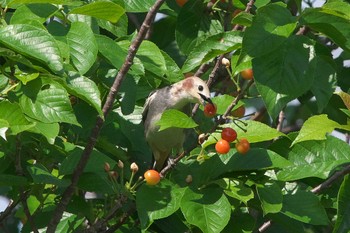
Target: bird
{"points": [[176, 96]]}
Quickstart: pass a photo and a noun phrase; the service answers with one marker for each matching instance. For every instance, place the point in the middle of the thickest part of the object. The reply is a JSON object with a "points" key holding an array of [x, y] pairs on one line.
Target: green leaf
{"points": [[236, 189], [83, 46], [243, 18], [304, 207], [175, 118], [138, 5], [342, 225], [207, 209], [345, 97], [85, 89], [173, 72], [12, 180], [69, 222], [50, 131], [316, 128], [329, 22], [212, 47], [162, 201], [273, 100], [254, 159], [97, 182], [152, 58], [313, 158], [58, 2], [24, 78], [284, 70], [127, 90], [95, 164], [271, 197], [272, 25], [223, 101], [12, 115], [111, 50], [102, 10], [33, 14], [41, 175], [324, 80], [255, 131], [4, 126], [33, 42], [194, 25], [50, 105]]}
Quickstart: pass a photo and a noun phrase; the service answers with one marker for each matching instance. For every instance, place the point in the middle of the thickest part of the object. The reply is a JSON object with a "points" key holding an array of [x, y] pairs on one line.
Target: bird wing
{"points": [[147, 104]]}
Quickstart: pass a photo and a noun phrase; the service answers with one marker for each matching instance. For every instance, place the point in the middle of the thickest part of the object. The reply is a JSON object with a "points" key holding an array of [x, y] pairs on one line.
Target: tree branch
{"points": [[68, 193]]}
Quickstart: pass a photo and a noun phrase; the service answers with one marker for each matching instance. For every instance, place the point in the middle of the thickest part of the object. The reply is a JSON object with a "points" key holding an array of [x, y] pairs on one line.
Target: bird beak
{"points": [[205, 98]]}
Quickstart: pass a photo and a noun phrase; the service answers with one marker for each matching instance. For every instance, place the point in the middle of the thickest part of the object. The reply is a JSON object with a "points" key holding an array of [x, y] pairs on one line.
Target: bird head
{"points": [[196, 89]]}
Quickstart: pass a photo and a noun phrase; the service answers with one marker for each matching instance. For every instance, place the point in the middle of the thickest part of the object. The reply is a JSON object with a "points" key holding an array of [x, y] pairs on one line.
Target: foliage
{"points": [[59, 60]]}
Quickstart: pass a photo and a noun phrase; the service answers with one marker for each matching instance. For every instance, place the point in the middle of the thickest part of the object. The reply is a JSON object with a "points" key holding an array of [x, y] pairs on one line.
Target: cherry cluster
{"points": [[228, 135]]}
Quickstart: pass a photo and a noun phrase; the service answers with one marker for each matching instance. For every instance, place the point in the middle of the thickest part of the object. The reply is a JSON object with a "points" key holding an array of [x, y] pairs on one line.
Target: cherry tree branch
{"points": [[319, 188], [68, 193]]}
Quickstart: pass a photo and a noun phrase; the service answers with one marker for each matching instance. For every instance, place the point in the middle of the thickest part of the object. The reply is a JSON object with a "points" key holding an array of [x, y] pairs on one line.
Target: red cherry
{"points": [[228, 134], [222, 146], [209, 110], [152, 177], [242, 146]]}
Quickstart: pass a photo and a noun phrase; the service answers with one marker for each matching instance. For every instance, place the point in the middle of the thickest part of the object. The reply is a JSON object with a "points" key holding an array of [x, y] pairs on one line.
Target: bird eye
{"points": [[200, 88]]}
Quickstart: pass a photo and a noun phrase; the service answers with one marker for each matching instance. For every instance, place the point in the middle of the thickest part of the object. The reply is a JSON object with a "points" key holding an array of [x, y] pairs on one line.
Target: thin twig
{"points": [[281, 118], [331, 180], [4, 214], [103, 222], [326, 184], [68, 193]]}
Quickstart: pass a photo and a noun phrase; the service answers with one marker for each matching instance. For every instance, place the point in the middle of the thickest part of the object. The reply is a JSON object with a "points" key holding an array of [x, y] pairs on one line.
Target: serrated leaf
{"points": [[162, 201], [69, 222], [24, 78], [101, 10], [85, 89], [175, 118], [50, 105], [271, 197], [41, 175], [152, 58], [212, 47], [207, 209], [83, 46], [313, 158], [284, 70], [33, 42], [273, 100], [58, 2], [138, 5], [12, 115], [236, 189], [243, 18], [255, 131], [329, 22], [305, 207], [194, 25], [316, 128], [342, 225], [324, 81], [273, 24], [50, 131]]}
